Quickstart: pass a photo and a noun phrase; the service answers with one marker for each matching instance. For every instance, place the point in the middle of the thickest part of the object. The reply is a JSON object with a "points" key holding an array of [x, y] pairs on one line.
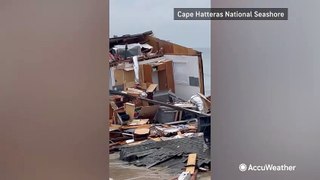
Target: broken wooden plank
{"points": [[136, 127], [157, 139], [136, 122], [113, 127], [113, 105], [204, 97], [151, 88], [142, 131], [141, 134], [191, 164], [138, 91]]}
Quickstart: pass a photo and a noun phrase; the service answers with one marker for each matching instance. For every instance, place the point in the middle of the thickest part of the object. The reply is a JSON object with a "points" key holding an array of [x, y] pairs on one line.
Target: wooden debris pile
{"points": [[148, 122]]}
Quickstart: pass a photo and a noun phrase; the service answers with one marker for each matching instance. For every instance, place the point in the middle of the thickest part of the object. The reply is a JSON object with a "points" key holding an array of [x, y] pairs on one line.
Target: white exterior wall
{"points": [[183, 68]]}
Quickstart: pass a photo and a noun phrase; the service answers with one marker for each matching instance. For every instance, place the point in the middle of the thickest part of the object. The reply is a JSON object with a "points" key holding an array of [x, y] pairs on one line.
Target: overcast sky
{"points": [[137, 16]]}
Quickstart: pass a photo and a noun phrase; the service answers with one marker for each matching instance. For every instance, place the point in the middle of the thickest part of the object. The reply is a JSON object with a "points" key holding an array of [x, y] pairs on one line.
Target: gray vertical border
{"points": [[266, 92], [53, 90], [107, 90], [212, 98]]}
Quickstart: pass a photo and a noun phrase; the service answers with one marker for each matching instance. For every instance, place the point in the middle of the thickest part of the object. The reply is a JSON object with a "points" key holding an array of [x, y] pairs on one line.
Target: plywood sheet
{"points": [[121, 76], [147, 73]]}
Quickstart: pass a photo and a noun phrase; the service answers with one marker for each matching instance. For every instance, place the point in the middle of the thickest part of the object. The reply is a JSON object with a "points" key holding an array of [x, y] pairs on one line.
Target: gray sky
{"points": [[136, 16]]}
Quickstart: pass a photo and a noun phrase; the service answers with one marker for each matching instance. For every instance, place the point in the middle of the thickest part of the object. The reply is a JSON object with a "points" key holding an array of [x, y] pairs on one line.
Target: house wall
{"points": [[183, 68]]}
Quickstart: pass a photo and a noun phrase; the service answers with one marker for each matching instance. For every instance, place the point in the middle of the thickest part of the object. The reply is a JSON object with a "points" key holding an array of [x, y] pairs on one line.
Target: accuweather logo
{"points": [[266, 167], [242, 167]]}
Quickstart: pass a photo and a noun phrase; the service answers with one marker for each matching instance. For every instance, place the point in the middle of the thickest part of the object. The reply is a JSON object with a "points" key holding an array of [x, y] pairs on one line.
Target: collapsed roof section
{"points": [[156, 43], [150, 49], [171, 48], [129, 39]]}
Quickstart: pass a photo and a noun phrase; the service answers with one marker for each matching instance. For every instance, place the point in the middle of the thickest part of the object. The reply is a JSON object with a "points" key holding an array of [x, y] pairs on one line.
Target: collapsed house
{"points": [[156, 95], [180, 69]]}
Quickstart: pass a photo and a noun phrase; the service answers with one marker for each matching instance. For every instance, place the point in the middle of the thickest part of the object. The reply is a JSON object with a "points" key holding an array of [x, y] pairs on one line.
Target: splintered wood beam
{"points": [[160, 103], [191, 164]]}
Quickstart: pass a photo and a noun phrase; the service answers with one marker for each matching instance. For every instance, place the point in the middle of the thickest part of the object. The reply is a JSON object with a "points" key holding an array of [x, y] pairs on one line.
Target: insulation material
{"points": [[112, 78], [146, 46], [196, 99], [136, 69], [130, 50]]}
